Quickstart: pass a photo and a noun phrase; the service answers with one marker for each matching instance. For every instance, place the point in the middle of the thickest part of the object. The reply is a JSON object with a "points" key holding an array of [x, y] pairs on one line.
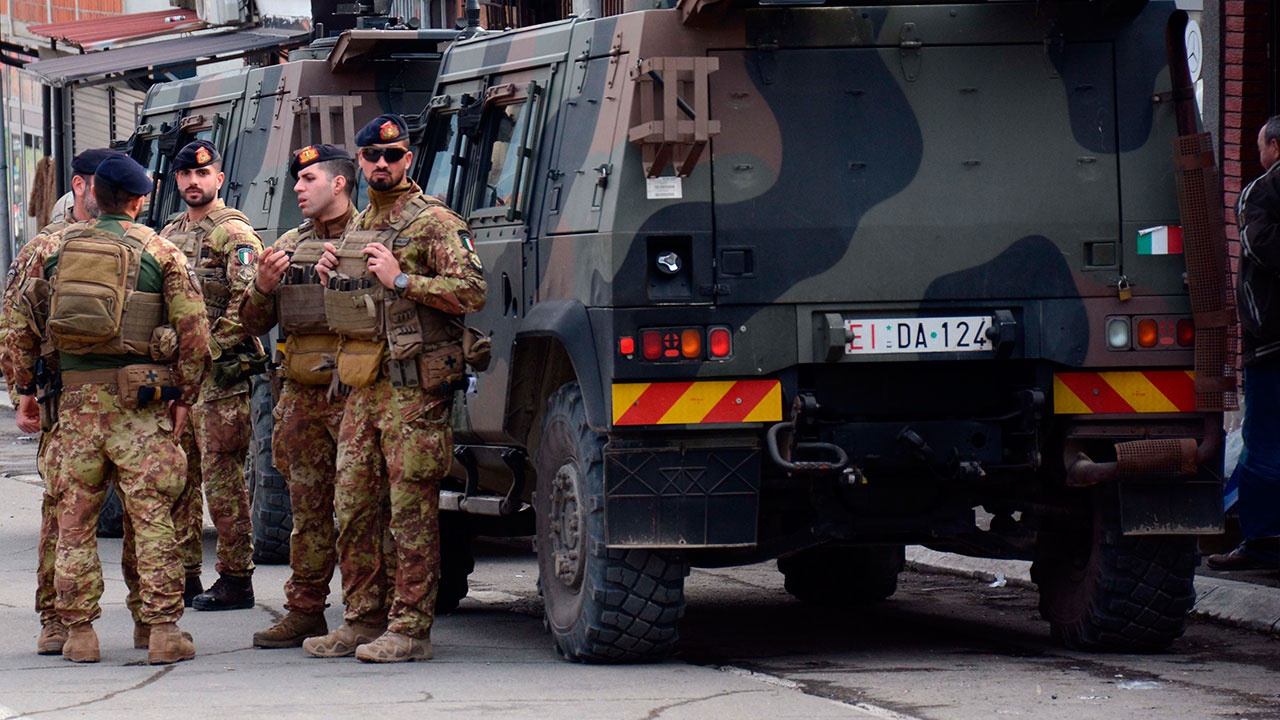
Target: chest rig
{"points": [[209, 272], [309, 344], [414, 345]]}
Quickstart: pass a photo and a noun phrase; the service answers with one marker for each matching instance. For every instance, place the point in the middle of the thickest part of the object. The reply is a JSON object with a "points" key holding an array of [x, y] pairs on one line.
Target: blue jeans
{"points": [[1258, 472]]}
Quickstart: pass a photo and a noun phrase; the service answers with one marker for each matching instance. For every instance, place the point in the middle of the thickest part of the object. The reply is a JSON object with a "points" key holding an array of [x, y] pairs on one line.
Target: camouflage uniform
{"points": [[399, 440], [218, 439], [95, 431], [304, 445]]}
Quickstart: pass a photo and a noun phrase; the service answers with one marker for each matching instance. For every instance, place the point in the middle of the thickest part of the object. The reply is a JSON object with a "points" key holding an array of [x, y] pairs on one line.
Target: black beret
{"points": [[383, 130], [312, 154], [124, 173], [86, 163], [196, 154]]}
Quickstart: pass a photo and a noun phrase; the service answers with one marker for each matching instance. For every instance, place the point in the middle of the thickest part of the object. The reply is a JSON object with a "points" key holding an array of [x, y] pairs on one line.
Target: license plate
{"points": [[878, 336]]}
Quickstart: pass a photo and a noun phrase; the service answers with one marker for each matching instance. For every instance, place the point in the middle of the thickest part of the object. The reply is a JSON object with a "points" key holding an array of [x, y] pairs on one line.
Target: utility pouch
{"points": [[310, 359], [89, 287], [143, 384], [217, 294], [34, 304], [404, 328], [359, 361], [163, 347], [237, 364], [477, 348], [440, 370]]}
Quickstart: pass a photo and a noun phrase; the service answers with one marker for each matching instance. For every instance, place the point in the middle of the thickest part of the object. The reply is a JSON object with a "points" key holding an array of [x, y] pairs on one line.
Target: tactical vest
{"points": [[95, 306], [214, 283], [309, 343], [375, 322]]}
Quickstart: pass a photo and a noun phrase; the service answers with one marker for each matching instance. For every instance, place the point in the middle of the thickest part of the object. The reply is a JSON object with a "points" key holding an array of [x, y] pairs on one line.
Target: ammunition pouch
{"points": [[310, 359], [359, 361], [216, 290], [142, 384], [301, 308], [238, 363], [354, 308]]}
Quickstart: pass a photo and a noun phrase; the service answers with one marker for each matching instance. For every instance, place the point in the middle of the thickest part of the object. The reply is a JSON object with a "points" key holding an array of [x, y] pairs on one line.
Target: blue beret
{"points": [[86, 163], [312, 154], [124, 173], [383, 130], [196, 154]]}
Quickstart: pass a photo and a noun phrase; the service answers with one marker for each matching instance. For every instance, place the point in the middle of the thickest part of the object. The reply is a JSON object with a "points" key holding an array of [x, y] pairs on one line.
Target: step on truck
{"points": [[816, 281]]}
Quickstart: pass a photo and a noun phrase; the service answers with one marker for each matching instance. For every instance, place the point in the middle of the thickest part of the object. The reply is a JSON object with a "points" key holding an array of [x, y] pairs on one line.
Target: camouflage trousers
{"points": [[188, 502], [94, 432], [394, 442], [216, 444], [304, 445]]}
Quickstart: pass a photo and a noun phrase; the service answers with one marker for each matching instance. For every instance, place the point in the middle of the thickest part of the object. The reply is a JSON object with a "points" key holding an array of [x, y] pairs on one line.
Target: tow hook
{"points": [[804, 405]]}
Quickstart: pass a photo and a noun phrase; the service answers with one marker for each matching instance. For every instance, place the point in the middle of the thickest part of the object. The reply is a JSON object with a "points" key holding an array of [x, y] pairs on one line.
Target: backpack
{"points": [[94, 281]]}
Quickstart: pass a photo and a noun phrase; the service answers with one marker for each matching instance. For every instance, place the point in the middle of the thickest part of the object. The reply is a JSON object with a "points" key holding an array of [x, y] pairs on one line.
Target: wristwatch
{"points": [[401, 283]]}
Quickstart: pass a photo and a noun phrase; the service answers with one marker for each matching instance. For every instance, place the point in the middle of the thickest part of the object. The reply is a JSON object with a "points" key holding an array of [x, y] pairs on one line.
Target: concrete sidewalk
{"points": [[1242, 604]]}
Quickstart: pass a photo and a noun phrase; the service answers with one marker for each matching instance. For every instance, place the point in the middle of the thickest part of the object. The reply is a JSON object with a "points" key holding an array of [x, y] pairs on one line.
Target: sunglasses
{"points": [[392, 154]]}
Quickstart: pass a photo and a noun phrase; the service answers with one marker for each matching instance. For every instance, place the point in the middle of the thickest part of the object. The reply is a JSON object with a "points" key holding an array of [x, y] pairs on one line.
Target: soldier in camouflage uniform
{"points": [[415, 255], [309, 412], [100, 423], [222, 248], [52, 632]]}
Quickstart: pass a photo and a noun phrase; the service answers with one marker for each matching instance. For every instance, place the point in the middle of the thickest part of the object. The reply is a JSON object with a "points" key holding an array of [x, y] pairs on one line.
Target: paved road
{"points": [[946, 647]]}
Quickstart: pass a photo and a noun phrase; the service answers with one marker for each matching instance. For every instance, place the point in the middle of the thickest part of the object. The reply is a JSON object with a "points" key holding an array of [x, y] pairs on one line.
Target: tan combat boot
{"points": [[392, 647], [168, 644], [53, 635], [343, 641], [142, 635], [82, 644], [292, 630]]}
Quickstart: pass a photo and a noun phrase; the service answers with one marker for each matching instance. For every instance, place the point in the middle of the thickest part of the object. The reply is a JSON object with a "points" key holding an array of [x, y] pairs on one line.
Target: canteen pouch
{"points": [[164, 345], [142, 384], [310, 359], [359, 361]]}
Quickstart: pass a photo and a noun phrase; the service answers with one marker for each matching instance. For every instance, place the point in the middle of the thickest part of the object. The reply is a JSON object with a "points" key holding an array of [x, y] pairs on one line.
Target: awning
{"points": [[101, 32], [108, 65]]}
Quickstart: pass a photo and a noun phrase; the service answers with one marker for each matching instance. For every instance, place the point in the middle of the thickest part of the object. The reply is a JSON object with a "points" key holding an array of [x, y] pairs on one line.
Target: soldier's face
{"points": [[381, 173], [317, 193], [199, 186], [82, 188]]}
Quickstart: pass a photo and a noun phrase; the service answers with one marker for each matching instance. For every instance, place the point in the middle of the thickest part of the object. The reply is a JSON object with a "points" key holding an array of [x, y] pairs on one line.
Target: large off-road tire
{"points": [[837, 575], [456, 560], [601, 605], [270, 508], [1109, 592], [111, 518]]}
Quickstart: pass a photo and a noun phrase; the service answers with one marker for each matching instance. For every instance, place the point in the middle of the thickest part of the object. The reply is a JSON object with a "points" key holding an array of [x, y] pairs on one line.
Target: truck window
{"points": [[443, 155], [501, 154]]}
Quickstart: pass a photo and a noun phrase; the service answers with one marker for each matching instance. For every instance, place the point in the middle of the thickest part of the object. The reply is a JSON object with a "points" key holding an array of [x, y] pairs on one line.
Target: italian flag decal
{"points": [[1162, 240]]}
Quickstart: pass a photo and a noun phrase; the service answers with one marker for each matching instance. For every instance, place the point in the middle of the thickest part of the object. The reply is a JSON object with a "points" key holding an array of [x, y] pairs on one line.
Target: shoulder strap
{"points": [[225, 213], [412, 209]]}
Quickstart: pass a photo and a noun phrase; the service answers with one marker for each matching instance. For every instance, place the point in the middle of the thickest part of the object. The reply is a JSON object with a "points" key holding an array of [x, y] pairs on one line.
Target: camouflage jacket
{"points": [[258, 312], [44, 244], [434, 250], [183, 302], [232, 251]]}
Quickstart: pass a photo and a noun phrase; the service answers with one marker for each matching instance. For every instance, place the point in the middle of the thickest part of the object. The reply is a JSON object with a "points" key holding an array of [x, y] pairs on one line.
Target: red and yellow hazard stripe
{"points": [[697, 402], [1124, 391]]}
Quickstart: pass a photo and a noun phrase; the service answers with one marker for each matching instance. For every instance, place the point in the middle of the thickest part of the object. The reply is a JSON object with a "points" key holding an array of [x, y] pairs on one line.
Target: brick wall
{"points": [[1246, 101]]}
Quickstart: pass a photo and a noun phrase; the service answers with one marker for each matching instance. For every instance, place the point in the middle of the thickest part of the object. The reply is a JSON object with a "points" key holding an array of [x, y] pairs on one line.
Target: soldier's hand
{"points": [[28, 414], [178, 413], [382, 264], [327, 264], [271, 268]]}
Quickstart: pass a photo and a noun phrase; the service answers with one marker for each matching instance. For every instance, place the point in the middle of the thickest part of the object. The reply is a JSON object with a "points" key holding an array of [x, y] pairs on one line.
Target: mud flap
{"points": [[1193, 507]]}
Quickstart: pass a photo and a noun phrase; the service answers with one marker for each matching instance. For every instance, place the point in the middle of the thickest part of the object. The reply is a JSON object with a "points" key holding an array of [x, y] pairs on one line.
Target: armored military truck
{"points": [[815, 281]]}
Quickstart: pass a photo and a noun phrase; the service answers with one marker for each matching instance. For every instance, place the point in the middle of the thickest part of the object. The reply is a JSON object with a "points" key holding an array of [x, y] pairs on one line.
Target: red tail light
{"points": [[719, 342], [1186, 332]]}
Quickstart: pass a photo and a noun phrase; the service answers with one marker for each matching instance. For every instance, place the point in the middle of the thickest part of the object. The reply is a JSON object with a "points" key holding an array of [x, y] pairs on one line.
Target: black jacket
{"points": [[1258, 283]]}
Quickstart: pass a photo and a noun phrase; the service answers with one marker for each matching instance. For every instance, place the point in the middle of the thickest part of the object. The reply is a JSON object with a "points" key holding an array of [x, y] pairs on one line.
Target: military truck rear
{"points": [[816, 282]]}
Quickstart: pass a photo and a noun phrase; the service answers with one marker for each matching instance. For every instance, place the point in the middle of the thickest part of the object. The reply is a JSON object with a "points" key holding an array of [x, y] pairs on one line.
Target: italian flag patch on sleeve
{"points": [[1162, 240]]}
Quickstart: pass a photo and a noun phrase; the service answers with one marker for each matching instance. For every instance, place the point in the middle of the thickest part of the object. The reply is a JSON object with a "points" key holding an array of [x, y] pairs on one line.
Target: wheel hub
{"points": [[566, 526]]}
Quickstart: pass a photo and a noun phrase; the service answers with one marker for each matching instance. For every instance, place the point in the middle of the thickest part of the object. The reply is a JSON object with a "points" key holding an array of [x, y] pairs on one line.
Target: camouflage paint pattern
{"points": [[218, 439], [398, 441]]}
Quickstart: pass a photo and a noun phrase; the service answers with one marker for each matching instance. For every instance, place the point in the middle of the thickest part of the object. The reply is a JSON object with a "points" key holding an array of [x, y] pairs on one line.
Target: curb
{"points": [[1231, 602]]}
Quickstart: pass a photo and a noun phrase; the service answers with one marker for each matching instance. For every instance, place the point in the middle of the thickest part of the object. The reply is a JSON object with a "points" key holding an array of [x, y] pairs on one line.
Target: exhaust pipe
{"points": [[1163, 458]]}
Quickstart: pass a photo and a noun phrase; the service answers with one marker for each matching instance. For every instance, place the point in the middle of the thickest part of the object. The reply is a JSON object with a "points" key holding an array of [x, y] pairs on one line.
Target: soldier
{"points": [[411, 257], [222, 248], [307, 417], [84, 208], [112, 408]]}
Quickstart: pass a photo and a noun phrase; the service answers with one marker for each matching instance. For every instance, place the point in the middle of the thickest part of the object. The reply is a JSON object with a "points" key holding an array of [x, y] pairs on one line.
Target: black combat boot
{"points": [[193, 588], [227, 593]]}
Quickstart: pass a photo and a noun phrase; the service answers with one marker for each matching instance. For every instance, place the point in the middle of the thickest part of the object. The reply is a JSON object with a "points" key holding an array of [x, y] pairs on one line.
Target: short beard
{"points": [[383, 184], [204, 199]]}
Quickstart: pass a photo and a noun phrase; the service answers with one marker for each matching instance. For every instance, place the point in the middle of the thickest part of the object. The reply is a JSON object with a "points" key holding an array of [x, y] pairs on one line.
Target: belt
{"points": [[76, 378]]}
